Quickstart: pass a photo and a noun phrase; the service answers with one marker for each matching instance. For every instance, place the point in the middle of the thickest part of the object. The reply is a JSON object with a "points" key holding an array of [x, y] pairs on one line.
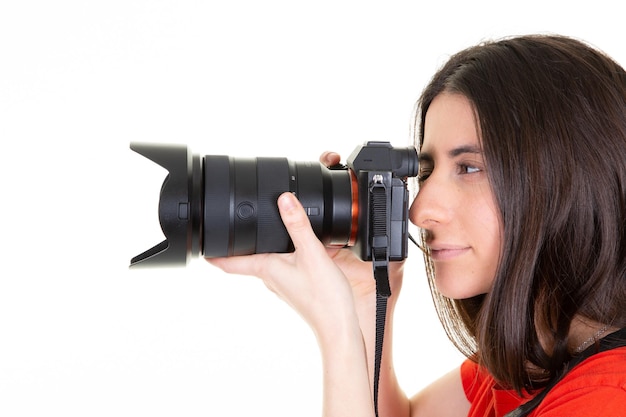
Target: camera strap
{"points": [[611, 341], [379, 198]]}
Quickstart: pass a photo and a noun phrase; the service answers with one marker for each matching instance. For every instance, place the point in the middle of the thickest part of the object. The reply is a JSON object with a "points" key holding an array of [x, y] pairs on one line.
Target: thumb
{"points": [[297, 223]]}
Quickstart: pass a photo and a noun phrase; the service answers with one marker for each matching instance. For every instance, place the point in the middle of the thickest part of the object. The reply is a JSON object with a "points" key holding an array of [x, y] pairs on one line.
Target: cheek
{"points": [[461, 281], [475, 273], [488, 234]]}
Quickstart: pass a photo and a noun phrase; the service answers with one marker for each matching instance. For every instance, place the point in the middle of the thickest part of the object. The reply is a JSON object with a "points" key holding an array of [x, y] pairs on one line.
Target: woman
{"points": [[522, 207]]}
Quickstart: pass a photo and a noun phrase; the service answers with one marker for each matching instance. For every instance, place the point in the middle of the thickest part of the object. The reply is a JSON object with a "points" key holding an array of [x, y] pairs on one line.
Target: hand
{"points": [[314, 285], [358, 272], [307, 279]]}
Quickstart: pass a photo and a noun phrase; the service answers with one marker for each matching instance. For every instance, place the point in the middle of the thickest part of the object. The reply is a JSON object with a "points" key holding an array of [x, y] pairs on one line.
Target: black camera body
{"points": [[381, 169], [224, 206]]}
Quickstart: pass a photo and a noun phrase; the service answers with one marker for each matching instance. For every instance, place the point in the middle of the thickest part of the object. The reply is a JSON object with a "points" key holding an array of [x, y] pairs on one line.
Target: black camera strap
{"points": [[381, 316], [379, 197], [611, 341]]}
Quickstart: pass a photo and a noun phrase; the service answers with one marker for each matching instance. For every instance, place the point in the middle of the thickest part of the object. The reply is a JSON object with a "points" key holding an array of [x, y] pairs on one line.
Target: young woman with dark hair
{"points": [[522, 208]]}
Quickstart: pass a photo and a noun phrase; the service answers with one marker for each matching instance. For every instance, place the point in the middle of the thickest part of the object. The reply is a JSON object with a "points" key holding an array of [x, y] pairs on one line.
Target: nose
{"points": [[432, 206]]}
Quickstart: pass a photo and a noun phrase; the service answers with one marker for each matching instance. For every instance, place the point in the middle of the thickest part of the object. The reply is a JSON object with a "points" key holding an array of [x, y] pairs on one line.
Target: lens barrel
{"points": [[240, 212], [224, 206]]}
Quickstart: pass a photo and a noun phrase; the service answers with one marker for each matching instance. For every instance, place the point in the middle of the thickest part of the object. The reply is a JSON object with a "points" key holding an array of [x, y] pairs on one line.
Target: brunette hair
{"points": [[551, 114]]}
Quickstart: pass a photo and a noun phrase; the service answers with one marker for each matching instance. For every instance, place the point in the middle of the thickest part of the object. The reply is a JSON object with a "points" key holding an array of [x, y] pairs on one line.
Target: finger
{"points": [[330, 158], [297, 223], [240, 265]]}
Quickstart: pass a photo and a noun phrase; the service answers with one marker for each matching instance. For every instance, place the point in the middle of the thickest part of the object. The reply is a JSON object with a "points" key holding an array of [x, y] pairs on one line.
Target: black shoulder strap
{"points": [[614, 340], [380, 264]]}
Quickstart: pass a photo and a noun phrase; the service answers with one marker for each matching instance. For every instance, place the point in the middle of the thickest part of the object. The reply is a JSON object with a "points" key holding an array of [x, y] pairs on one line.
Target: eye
{"points": [[468, 169], [423, 174]]}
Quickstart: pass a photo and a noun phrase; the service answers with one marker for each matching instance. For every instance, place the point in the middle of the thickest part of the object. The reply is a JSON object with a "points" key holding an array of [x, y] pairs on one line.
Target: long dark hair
{"points": [[552, 117]]}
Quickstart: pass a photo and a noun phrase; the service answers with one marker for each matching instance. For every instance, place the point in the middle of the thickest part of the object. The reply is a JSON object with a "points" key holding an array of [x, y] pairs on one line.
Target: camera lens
{"points": [[240, 213], [225, 206]]}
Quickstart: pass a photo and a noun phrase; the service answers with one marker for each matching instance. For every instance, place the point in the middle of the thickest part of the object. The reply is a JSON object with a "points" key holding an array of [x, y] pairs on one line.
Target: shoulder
{"points": [[595, 387], [443, 397], [484, 394], [477, 381]]}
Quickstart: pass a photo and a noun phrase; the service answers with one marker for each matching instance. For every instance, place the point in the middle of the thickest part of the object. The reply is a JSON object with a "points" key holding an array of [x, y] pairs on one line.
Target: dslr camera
{"points": [[220, 205]]}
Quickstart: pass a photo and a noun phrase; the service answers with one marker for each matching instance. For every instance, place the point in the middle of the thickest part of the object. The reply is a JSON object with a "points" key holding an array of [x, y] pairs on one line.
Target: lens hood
{"points": [[180, 206]]}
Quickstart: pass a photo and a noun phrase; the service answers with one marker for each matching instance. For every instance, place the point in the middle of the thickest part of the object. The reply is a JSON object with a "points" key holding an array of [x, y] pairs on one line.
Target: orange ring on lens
{"points": [[354, 186]]}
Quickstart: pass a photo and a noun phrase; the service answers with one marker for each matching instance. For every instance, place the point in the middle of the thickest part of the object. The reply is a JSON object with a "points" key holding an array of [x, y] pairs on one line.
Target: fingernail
{"points": [[287, 201], [330, 156]]}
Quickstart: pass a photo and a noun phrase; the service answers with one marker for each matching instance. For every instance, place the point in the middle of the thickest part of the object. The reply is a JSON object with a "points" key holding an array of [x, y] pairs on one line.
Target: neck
{"points": [[585, 333]]}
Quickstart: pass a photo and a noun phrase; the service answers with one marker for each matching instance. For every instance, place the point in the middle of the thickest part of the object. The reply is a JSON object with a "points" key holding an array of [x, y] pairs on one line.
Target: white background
{"points": [[80, 334]]}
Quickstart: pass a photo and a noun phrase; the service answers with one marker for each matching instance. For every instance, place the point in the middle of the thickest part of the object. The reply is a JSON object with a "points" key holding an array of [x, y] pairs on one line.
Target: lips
{"points": [[441, 252]]}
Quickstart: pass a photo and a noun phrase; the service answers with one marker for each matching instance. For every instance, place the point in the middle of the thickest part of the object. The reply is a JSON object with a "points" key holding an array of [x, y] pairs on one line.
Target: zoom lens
{"points": [[240, 212], [225, 206]]}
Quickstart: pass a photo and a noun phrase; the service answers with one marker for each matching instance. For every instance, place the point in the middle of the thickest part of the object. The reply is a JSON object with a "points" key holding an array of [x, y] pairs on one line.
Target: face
{"points": [[455, 205]]}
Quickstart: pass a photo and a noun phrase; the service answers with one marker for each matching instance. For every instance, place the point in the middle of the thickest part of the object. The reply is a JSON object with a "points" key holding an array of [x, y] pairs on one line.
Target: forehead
{"points": [[450, 121]]}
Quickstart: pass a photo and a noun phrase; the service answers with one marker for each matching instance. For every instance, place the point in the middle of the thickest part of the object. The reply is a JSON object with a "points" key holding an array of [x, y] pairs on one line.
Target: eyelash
{"points": [[423, 176], [463, 169]]}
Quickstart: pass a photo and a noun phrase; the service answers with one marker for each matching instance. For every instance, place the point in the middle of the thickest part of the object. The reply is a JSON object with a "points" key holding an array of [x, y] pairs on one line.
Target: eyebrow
{"points": [[453, 153]]}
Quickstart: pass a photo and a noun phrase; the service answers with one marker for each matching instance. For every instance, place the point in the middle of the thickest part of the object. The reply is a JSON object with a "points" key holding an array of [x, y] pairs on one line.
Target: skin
{"points": [[455, 204], [456, 207], [334, 291]]}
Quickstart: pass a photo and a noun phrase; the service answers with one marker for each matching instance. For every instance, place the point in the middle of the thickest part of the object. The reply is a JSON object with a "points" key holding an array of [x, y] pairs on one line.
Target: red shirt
{"points": [[596, 387]]}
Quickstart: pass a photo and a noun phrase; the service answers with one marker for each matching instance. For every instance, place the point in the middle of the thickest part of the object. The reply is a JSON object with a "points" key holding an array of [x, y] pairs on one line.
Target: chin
{"points": [[458, 288]]}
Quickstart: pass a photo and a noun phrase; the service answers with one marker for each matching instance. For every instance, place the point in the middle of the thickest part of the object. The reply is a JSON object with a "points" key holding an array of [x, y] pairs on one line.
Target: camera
{"points": [[220, 205]]}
